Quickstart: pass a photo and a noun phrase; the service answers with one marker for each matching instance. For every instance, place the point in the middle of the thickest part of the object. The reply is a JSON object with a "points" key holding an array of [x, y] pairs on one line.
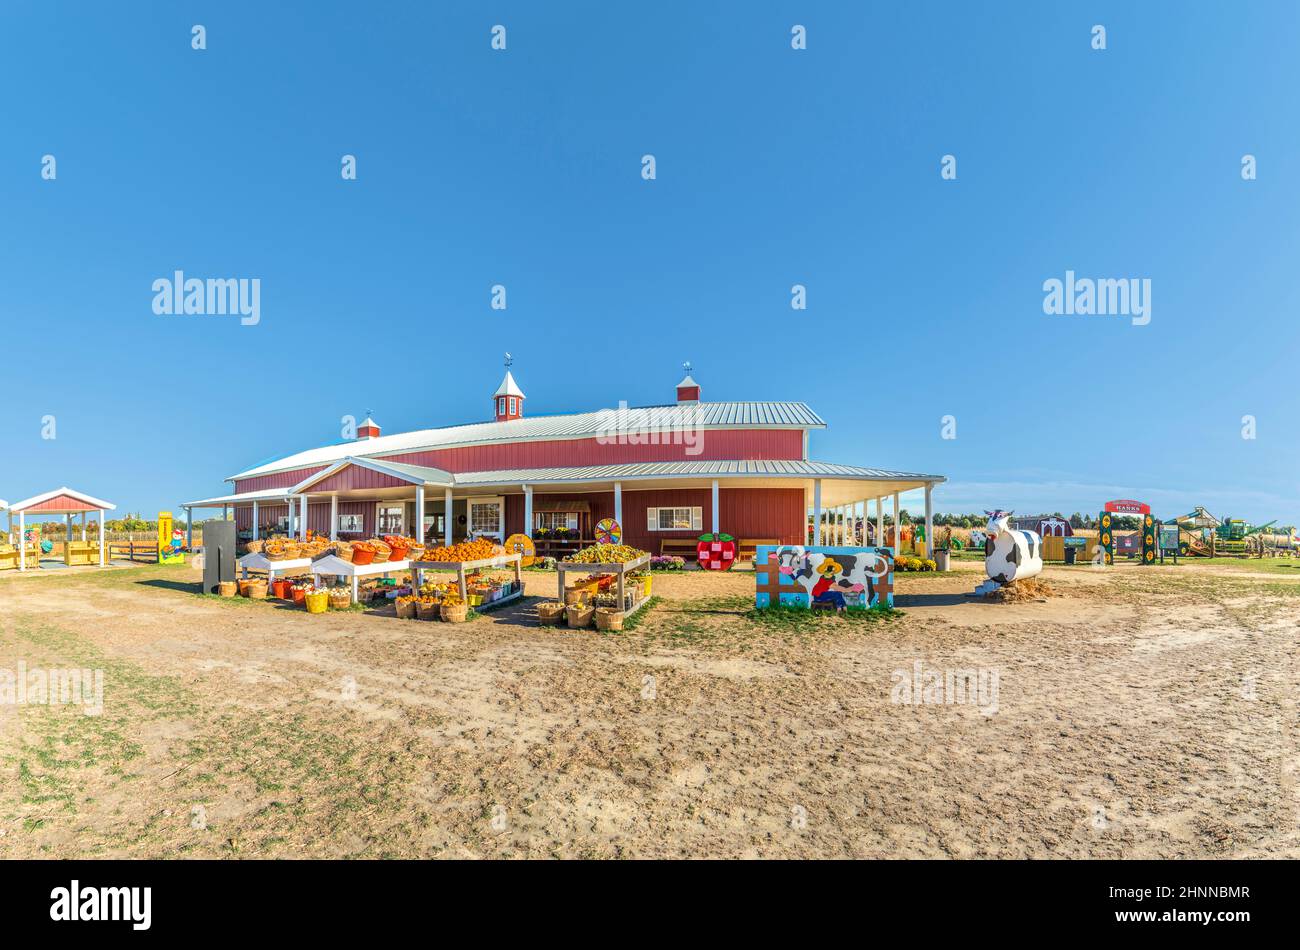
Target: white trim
{"points": [[373, 465], [500, 502], [88, 500], [389, 503], [697, 517]]}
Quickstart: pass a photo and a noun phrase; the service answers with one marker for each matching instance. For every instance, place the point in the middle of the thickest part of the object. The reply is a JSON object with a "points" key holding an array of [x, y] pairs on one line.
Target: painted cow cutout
{"points": [[840, 579], [1009, 554]]}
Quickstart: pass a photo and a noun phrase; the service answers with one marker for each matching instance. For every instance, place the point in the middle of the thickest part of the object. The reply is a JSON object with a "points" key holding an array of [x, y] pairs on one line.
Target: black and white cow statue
{"points": [[1010, 554]]}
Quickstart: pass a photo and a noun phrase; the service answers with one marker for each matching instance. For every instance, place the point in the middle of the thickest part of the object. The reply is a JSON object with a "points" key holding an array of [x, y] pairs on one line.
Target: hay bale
{"points": [[1019, 592]]}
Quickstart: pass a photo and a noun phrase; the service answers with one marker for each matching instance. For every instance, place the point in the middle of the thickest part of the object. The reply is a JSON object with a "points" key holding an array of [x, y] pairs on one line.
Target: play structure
{"points": [[1201, 534], [29, 543], [1010, 554]]}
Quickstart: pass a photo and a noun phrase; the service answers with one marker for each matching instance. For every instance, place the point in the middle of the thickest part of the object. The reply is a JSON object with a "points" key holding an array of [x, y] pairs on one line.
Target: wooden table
{"points": [[334, 566], [460, 567], [620, 569]]}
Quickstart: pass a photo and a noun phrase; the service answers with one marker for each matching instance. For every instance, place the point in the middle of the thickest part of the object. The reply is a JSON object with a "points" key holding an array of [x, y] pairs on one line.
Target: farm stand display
{"points": [[462, 568], [607, 560], [334, 566], [664, 474]]}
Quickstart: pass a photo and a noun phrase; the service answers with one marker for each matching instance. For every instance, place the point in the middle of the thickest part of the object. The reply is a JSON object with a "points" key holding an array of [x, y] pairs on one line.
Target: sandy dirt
{"points": [[1133, 713]]}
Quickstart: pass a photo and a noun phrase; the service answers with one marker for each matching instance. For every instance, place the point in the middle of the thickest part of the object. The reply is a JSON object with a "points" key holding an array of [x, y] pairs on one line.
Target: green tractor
{"points": [[1230, 537]]}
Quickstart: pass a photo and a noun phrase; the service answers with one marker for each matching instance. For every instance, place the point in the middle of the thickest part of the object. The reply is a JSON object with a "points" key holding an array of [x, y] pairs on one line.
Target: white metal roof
{"points": [[88, 500], [726, 468], [509, 387], [265, 494], [764, 415]]}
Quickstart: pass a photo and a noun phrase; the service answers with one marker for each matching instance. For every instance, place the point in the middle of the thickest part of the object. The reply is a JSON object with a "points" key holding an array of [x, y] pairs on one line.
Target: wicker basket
{"points": [[550, 613], [343, 551], [608, 619], [428, 611], [576, 596], [242, 586], [257, 589], [340, 598], [579, 615], [406, 611], [382, 551], [255, 547], [228, 588], [455, 613]]}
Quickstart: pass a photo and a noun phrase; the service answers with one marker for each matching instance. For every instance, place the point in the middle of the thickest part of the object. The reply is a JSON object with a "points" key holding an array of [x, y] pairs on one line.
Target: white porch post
{"points": [[446, 521], [929, 522], [418, 533], [254, 520], [102, 559], [83, 527], [817, 511], [528, 510], [302, 524], [334, 517], [67, 531], [880, 521], [898, 528], [618, 503], [22, 541], [716, 529]]}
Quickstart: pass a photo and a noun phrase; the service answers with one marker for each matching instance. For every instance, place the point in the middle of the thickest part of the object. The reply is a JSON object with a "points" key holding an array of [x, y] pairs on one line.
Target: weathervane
{"points": [[509, 360], [687, 366]]}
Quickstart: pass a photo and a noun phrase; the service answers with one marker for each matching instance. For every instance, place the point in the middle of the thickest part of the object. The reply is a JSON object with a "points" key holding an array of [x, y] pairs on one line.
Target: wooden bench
{"points": [[747, 548], [682, 547]]}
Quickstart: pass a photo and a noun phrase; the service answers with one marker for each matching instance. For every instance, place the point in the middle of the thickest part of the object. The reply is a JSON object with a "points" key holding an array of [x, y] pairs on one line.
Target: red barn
{"points": [[663, 472]]}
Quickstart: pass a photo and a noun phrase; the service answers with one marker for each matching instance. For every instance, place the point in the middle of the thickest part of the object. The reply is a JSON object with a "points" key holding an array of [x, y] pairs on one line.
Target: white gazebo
{"points": [[61, 501]]}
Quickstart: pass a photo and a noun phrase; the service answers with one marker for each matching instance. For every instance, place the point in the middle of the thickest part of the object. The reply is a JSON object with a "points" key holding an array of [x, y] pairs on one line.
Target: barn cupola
{"points": [[688, 390], [508, 400], [368, 429]]}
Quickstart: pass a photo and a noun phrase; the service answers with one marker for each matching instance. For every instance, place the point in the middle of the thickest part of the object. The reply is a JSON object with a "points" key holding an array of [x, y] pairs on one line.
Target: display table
{"points": [[263, 564], [459, 568], [620, 569], [334, 566]]}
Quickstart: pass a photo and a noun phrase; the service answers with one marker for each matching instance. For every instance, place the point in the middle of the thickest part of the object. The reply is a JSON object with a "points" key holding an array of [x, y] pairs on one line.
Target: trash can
{"points": [[1070, 553], [941, 559]]}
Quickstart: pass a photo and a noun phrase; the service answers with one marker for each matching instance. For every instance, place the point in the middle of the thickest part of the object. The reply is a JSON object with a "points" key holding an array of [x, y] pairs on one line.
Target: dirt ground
{"points": [[1137, 713]]}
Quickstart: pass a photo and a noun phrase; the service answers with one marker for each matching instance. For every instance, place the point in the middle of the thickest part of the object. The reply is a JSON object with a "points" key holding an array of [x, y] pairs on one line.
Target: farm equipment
{"points": [[1230, 538]]}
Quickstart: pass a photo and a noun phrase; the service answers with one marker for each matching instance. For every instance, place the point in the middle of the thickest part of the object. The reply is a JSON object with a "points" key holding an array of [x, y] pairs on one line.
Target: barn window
{"points": [[501, 405], [674, 519]]}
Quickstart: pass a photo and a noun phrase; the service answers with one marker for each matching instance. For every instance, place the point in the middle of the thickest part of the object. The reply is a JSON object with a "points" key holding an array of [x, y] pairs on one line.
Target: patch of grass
{"points": [[638, 618], [795, 617]]}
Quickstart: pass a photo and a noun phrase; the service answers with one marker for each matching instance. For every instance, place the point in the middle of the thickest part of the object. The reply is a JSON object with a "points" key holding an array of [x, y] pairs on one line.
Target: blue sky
{"points": [[775, 167]]}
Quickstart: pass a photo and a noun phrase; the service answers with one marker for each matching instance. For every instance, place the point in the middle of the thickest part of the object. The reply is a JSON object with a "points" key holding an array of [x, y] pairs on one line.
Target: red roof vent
{"points": [[688, 390], [368, 429]]}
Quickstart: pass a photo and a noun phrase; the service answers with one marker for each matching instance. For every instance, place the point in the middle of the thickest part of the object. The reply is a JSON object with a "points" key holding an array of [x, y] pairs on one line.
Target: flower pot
{"points": [[317, 602]]}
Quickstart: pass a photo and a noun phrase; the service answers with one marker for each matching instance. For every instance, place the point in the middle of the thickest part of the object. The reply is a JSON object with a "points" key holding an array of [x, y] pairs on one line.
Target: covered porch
{"points": [[68, 503]]}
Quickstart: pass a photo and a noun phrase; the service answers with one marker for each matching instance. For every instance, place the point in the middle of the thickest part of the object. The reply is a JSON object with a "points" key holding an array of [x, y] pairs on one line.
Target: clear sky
{"points": [[774, 167]]}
